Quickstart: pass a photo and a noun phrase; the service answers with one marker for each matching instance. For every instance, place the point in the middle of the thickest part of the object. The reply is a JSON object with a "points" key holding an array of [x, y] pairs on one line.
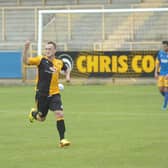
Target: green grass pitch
{"points": [[109, 127]]}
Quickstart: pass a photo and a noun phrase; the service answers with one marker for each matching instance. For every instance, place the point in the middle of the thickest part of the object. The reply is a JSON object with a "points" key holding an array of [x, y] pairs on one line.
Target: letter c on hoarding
{"points": [[81, 64]]}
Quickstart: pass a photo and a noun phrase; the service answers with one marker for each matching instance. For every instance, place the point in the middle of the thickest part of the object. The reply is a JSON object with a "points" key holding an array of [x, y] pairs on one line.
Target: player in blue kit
{"points": [[161, 72]]}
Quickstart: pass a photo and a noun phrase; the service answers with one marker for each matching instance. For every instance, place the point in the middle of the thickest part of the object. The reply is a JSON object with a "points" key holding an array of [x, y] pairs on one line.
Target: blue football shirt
{"points": [[163, 61]]}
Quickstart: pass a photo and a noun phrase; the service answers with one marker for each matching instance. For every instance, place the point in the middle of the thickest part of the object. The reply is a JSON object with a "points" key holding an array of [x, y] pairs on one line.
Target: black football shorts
{"points": [[46, 103]]}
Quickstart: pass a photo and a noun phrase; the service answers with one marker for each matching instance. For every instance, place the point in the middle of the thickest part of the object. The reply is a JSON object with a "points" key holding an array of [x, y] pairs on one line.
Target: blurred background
{"points": [[85, 37]]}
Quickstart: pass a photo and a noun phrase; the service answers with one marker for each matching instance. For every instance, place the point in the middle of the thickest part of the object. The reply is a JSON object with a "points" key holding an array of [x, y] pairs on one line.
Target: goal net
{"points": [[106, 42]]}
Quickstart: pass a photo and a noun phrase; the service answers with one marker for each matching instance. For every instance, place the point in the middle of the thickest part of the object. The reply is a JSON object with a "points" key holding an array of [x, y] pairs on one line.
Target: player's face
{"points": [[165, 47], [50, 50]]}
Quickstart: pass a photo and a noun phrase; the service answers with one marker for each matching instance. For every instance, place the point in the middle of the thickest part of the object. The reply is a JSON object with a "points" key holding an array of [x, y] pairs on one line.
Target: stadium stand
{"points": [[9, 3], [17, 29], [12, 3], [0, 26], [154, 1], [19, 22], [125, 1], [31, 3], [110, 32], [68, 2]]}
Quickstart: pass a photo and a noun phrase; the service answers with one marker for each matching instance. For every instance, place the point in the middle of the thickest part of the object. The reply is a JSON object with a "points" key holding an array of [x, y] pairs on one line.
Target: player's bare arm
{"points": [[25, 52], [67, 75], [156, 71]]}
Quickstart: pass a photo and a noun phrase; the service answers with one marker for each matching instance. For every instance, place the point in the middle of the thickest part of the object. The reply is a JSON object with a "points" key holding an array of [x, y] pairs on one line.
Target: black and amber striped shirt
{"points": [[48, 74]]}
